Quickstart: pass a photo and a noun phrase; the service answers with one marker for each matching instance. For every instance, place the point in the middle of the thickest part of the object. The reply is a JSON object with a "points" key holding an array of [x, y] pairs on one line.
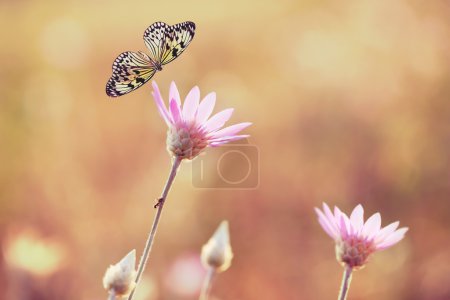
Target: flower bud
{"points": [[217, 252], [119, 278]]}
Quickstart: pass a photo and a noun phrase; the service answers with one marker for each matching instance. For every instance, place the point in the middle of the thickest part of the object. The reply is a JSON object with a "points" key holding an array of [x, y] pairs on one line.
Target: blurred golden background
{"points": [[349, 102]]}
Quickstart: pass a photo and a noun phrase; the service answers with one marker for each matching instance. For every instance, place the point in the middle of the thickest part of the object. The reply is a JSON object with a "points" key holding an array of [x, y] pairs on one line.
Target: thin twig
{"points": [[346, 279], [207, 283], [111, 295], [152, 233]]}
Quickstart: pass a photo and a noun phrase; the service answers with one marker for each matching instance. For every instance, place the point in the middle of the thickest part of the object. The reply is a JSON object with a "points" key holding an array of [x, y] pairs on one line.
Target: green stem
{"points": [[152, 233], [346, 279]]}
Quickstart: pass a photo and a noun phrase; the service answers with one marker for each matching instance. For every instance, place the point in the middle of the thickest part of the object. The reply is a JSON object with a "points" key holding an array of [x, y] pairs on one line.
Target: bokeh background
{"points": [[350, 104]]}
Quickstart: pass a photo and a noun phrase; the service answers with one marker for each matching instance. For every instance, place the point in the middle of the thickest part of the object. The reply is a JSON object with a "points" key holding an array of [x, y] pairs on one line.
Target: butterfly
{"points": [[131, 70]]}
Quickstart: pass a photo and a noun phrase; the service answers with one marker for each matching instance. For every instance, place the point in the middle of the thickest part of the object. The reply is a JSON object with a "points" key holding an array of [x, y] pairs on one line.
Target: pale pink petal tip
{"points": [[206, 107], [393, 238], [191, 104], [227, 139], [357, 218], [372, 226], [230, 130], [328, 212], [155, 85], [325, 223], [345, 230], [218, 120], [174, 94], [162, 109], [385, 232]]}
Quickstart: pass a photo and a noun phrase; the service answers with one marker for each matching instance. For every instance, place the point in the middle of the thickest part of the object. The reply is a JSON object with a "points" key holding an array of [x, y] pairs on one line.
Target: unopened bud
{"points": [[217, 253], [119, 278]]}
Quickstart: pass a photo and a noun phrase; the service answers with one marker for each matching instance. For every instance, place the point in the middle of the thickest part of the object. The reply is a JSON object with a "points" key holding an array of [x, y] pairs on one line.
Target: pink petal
{"points": [[162, 109], [324, 222], [230, 130], [226, 139], [348, 225], [337, 215], [174, 94], [330, 217], [393, 239], [326, 229], [385, 232], [175, 112], [357, 218], [206, 107], [343, 227], [219, 119], [191, 104], [372, 226]]}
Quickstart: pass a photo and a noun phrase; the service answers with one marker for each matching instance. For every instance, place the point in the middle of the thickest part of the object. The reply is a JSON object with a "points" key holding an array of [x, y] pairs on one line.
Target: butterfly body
{"points": [[131, 69], [158, 66]]}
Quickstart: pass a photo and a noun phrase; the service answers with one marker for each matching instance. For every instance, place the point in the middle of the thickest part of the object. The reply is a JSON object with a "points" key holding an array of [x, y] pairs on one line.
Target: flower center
{"points": [[354, 251], [186, 141]]}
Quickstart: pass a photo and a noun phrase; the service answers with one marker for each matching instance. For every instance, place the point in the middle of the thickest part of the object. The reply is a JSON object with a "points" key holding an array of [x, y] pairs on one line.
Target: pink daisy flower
{"points": [[356, 239], [191, 129]]}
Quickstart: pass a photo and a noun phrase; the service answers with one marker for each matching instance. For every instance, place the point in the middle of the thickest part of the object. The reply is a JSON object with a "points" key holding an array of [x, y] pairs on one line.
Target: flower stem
{"points": [[152, 233], [111, 295], [346, 279], [207, 283]]}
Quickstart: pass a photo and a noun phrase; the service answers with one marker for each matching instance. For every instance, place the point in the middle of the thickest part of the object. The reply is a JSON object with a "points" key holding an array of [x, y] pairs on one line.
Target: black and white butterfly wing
{"points": [[182, 35], [130, 71], [155, 39], [167, 42]]}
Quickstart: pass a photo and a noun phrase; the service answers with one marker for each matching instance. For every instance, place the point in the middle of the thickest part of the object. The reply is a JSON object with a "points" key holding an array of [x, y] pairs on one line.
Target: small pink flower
{"points": [[356, 240], [190, 127]]}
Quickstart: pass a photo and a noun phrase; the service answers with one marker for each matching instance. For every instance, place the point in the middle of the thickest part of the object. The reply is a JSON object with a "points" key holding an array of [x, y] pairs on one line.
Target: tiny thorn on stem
{"points": [[159, 202]]}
